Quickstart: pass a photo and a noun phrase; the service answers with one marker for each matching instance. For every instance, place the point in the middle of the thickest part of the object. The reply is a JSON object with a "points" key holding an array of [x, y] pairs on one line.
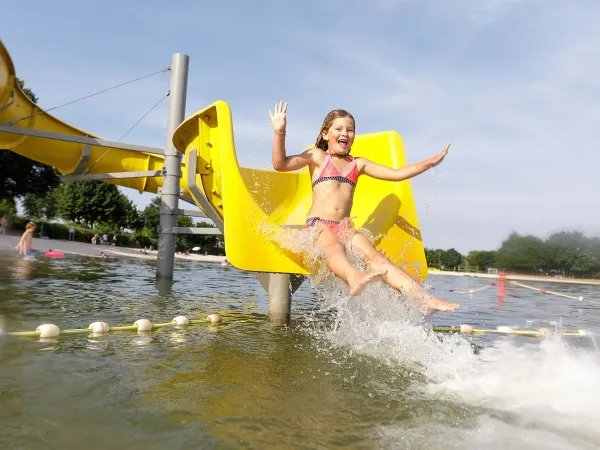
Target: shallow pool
{"points": [[353, 373]]}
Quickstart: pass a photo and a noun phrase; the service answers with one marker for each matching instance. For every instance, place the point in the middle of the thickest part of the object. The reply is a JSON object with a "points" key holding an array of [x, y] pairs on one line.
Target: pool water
{"points": [[347, 372]]}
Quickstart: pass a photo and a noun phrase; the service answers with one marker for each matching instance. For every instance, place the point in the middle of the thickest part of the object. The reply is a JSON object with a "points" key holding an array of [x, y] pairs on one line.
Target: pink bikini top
{"points": [[331, 172]]}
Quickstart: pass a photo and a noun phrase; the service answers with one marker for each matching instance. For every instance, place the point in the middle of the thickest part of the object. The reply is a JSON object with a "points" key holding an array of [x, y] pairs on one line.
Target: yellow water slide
{"points": [[256, 209], [67, 157], [263, 208]]}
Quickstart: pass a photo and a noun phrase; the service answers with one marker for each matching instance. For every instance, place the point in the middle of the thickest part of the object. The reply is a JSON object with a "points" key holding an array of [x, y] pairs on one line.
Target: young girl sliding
{"points": [[334, 175]]}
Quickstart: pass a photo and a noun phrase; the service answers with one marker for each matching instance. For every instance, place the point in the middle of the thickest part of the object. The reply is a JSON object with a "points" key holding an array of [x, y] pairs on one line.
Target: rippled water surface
{"points": [[354, 373]]}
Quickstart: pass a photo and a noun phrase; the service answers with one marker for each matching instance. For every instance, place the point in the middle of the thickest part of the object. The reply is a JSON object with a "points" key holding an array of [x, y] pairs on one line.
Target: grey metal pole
{"points": [[280, 297], [171, 180]]}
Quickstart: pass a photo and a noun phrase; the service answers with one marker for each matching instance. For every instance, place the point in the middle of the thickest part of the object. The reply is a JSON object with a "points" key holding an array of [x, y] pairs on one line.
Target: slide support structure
{"points": [[172, 171], [280, 298]]}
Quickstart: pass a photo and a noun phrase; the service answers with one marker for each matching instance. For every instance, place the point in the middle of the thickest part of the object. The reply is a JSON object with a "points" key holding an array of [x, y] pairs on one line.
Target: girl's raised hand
{"points": [[278, 117], [440, 156]]}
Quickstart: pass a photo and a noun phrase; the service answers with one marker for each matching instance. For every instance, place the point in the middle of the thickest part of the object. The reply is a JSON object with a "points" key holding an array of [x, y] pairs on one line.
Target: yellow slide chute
{"points": [[247, 203], [64, 156], [253, 201]]}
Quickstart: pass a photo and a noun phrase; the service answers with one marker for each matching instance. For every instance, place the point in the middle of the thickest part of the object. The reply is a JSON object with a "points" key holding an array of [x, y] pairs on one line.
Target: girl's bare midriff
{"points": [[332, 201]]}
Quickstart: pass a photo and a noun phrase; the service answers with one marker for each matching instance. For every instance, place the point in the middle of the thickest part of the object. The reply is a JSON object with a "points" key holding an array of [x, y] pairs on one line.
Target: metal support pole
{"points": [[280, 297], [171, 180]]}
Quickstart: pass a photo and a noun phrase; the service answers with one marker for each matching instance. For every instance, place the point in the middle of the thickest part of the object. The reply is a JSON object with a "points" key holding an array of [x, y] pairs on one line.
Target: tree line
{"points": [[94, 206], [565, 253]]}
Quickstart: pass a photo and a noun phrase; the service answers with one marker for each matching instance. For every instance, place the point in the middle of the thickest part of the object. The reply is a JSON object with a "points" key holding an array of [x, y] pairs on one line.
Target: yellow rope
{"points": [[507, 330]]}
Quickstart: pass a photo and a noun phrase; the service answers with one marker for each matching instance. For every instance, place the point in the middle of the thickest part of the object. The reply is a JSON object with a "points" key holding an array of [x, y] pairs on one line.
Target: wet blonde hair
{"points": [[329, 118]]}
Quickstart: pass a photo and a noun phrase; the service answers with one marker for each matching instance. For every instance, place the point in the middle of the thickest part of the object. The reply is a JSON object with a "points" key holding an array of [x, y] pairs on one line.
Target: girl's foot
{"points": [[356, 286], [435, 304]]}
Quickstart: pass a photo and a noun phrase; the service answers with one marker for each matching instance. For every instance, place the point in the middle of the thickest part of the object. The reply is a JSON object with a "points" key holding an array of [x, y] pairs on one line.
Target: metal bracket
{"points": [[295, 280], [85, 156], [79, 139], [191, 213], [188, 230], [196, 230], [113, 175], [191, 164]]}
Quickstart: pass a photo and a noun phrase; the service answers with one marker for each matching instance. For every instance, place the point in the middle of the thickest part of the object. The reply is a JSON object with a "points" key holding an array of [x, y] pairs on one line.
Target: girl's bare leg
{"points": [[337, 261], [399, 279]]}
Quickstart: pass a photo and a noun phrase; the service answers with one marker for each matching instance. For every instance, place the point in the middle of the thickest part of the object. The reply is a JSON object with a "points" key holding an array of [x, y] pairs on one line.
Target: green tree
{"points": [[434, 257], [19, 175], [184, 241], [572, 253], [89, 202], [208, 242], [7, 206], [151, 219], [526, 253], [451, 258], [133, 218], [28, 92], [33, 205], [481, 259], [151, 216]]}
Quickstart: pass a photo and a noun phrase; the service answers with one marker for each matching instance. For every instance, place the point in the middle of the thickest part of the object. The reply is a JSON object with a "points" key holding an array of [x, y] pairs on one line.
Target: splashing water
{"points": [[546, 387], [531, 392]]}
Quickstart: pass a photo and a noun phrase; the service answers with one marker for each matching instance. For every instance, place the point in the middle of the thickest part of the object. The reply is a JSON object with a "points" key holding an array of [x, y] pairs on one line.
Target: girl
{"points": [[333, 194]]}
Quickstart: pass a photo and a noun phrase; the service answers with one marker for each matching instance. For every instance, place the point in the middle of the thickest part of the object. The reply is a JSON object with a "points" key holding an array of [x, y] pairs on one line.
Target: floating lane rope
{"points": [[542, 332], [50, 330], [546, 291], [473, 291]]}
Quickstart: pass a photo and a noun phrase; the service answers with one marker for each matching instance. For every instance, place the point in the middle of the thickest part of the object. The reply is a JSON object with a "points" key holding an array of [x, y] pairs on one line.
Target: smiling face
{"points": [[337, 124], [340, 136]]}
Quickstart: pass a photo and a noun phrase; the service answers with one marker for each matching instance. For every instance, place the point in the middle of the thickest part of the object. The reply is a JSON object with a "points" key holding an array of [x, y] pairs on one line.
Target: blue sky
{"points": [[514, 84]]}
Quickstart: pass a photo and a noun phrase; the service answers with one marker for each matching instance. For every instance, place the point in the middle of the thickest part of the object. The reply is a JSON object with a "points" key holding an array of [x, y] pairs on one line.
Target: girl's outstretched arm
{"points": [[402, 173], [281, 162]]}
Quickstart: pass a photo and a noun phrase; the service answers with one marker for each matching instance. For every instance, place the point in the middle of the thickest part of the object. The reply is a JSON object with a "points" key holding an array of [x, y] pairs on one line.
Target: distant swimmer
{"points": [[334, 176], [224, 263], [24, 247]]}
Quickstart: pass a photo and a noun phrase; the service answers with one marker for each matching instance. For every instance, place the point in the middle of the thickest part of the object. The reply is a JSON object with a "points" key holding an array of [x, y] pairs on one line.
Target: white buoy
{"points": [[471, 291], [466, 328], [99, 327], [181, 321], [48, 330], [214, 318], [143, 325], [504, 329], [582, 332], [580, 299]]}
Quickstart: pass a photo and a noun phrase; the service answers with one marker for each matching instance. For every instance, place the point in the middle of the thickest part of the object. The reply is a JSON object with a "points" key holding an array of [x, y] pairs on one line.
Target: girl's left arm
{"points": [[402, 173]]}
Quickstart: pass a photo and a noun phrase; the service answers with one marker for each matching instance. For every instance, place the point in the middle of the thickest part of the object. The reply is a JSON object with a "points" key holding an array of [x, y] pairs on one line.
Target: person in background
{"points": [[24, 247], [3, 224]]}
